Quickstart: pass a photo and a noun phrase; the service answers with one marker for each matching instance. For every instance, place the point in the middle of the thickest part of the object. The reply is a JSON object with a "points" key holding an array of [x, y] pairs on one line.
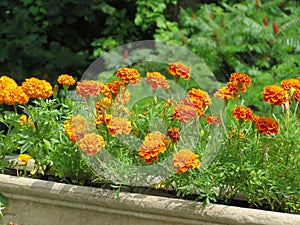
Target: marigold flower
{"points": [[75, 127], [296, 94], [119, 125], [243, 113], [102, 104], [24, 119], [200, 98], [290, 83], [185, 111], [213, 119], [153, 144], [112, 88], [129, 75], [275, 95], [36, 88], [15, 96], [174, 134], [185, 159], [88, 87], [241, 78], [103, 119], [91, 143], [180, 70], [24, 158], [267, 125], [66, 79], [157, 80], [123, 97], [7, 82], [234, 134], [224, 93]]}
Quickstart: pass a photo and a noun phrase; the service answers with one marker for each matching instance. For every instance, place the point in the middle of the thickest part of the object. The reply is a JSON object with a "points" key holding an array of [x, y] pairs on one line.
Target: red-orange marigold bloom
{"points": [[200, 98], [36, 88], [290, 83], [174, 134], [15, 96], [213, 119], [112, 88], [224, 93], [241, 78], [267, 125], [185, 111], [103, 119], [180, 70], [119, 125], [157, 80], [275, 95], [154, 144], [129, 75], [91, 143], [88, 87], [243, 113], [66, 79], [185, 159], [296, 94], [75, 127]]}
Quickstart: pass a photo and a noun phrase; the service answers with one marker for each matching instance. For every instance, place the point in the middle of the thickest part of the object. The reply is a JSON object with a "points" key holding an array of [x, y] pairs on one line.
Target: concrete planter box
{"points": [[36, 202]]}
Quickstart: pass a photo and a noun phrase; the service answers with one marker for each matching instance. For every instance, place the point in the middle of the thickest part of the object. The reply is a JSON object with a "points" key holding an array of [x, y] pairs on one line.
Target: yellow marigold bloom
{"points": [[244, 113], [36, 88], [154, 144], [91, 143], [103, 119], [267, 125], [275, 95], [119, 125], [185, 159], [75, 127], [15, 96], [6, 84], [185, 111], [24, 119], [129, 75], [123, 97], [88, 87], [234, 134], [66, 79], [241, 78], [200, 98], [24, 158], [180, 70], [157, 80]]}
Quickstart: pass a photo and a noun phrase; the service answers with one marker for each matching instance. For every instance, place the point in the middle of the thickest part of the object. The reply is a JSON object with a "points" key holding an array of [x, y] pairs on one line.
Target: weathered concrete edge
{"points": [[136, 205]]}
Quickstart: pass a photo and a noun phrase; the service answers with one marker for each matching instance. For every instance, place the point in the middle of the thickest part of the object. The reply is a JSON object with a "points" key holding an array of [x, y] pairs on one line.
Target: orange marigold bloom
{"points": [[290, 83], [275, 95], [75, 127], [185, 111], [243, 113], [185, 159], [297, 94], [180, 70], [66, 79], [15, 96], [154, 144], [174, 134], [267, 125], [102, 104], [234, 134], [129, 75], [88, 87], [24, 158], [241, 78], [157, 80], [200, 98], [6, 84], [112, 88], [213, 119], [103, 119], [24, 119], [224, 93], [91, 143], [36, 88], [119, 125], [123, 97]]}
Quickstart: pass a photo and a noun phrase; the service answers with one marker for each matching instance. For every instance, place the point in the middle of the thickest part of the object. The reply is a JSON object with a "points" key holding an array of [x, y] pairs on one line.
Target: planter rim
{"points": [[137, 205]]}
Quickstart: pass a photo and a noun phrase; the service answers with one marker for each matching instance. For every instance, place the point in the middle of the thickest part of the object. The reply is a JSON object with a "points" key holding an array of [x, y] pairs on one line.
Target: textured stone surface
{"points": [[36, 202]]}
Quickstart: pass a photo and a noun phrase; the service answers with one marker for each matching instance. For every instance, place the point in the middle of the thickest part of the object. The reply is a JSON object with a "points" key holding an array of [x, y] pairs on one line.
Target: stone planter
{"points": [[37, 202]]}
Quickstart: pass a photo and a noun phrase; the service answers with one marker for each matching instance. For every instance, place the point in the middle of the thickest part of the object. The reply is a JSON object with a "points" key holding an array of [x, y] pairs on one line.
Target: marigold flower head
{"points": [[75, 127], [153, 144], [185, 111], [224, 93], [123, 97], [15, 96], [290, 83], [112, 88], [24, 158], [180, 70], [241, 78], [36, 88], [129, 75], [66, 79], [103, 119], [24, 120], [88, 87], [119, 125], [157, 80], [296, 94], [91, 143], [102, 104], [185, 159], [213, 119], [174, 134], [235, 134], [267, 125], [200, 98], [275, 95], [243, 113], [7, 82]]}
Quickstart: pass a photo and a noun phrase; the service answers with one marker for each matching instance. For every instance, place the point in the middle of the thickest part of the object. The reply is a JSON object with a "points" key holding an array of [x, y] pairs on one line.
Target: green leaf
{"points": [[3, 201]]}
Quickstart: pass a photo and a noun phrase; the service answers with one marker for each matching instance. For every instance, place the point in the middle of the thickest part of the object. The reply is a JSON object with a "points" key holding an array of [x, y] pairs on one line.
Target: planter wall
{"points": [[36, 202]]}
